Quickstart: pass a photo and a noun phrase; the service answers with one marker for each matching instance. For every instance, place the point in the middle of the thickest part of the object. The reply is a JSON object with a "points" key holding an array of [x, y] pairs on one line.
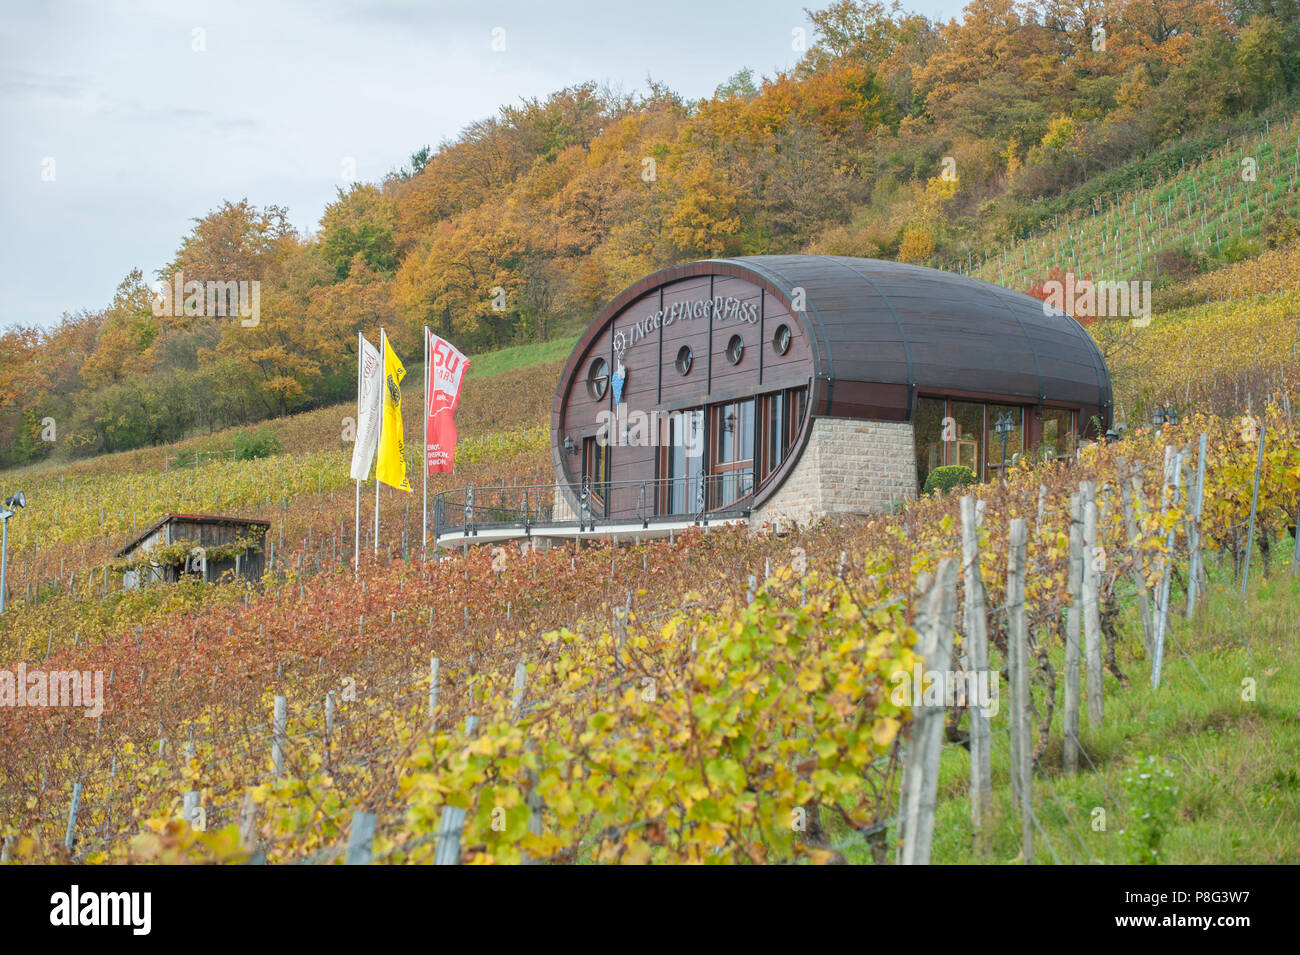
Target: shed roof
{"points": [[188, 518]]}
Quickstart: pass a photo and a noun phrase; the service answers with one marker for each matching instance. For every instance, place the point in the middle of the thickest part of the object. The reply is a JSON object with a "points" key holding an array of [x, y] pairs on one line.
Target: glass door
{"points": [[731, 465], [682, 461]]}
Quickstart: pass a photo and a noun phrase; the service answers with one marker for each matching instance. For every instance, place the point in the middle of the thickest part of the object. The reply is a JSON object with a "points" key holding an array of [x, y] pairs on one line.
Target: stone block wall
{"points": [[849, 466]]}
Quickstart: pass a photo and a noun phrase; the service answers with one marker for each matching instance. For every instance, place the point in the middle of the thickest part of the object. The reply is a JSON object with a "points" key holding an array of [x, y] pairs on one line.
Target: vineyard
{"points": [[680, 701], [1222, 197], [886, 566], [79, 514], [1224, 357]]}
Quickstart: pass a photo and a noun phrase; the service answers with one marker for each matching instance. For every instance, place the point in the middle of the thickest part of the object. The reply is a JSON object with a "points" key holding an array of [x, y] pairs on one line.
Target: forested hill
{"points": [[893, 137]]}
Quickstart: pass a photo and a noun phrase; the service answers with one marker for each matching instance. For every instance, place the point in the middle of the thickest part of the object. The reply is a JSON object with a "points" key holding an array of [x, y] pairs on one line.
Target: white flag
{"points": [[369, 403]]}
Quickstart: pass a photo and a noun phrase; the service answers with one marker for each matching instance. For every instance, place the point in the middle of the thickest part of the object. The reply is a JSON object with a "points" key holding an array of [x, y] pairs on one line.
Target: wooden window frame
{"points": [[717, 469], [591, 452]]}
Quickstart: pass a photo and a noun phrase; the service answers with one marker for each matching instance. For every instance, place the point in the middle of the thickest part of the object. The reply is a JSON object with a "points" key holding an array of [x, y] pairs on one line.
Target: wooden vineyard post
{"points": [[532, 800], [279, 723], [921, 764], [619, 623], [70, 835], [1295, 550], [1254, 502], [517, 691], [361, 841], [1194, 530], [1018, 663], [434, 665], [190, 810], [1126, 491], [1073, 632], [248, 824], [1091, 593], [534, 803], [1162, 595], [975, 625], [452, 822]]}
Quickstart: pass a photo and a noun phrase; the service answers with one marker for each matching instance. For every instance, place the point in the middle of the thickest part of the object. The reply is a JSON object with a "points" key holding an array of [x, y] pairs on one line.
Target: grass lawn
{"points": [[520, 356], [1230, 752]]}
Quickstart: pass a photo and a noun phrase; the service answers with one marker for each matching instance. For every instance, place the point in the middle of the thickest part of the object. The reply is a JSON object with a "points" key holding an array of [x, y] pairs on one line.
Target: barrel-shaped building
{"points": [[789, 387]]}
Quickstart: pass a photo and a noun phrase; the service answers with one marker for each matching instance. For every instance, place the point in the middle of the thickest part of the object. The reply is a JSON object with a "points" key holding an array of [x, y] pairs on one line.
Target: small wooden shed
{"points": [[201, 545]]}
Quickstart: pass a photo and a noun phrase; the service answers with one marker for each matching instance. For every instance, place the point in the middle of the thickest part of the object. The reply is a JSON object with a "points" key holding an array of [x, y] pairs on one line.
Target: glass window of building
{"points": [[1058, 433], [966, 434], [683, 461], [732, 467], [928, 425]]}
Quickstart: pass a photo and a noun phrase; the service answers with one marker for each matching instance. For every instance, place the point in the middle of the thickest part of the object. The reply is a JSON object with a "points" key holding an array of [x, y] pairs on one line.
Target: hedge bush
{"points": [[947, 477]]}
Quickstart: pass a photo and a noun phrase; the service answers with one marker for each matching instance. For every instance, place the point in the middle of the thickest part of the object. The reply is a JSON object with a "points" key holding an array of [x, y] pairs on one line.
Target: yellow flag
{"points": [[391, 468]]}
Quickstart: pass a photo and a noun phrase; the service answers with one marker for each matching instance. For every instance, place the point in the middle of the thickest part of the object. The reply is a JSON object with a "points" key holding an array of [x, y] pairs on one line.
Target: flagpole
{"points": [[356, 524], [424, 463], [379, 440]]}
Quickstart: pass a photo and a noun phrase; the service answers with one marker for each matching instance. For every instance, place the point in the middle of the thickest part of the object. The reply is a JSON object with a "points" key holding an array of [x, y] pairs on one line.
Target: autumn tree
{"points": [[362, 221]]}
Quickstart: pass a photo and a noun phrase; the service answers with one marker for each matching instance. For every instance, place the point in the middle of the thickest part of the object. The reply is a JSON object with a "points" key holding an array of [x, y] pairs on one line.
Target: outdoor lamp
{"points": [[1004, 427], [569, 446]]}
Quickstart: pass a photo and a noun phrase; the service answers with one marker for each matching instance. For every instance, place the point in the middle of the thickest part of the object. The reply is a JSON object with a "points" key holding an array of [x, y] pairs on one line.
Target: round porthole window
{"points": [[598, 379], [781, 339], [684, 360], [735, 348]]}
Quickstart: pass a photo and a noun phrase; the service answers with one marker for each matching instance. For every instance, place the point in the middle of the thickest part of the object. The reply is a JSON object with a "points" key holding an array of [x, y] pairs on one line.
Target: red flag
{"points": [[442, 381]]}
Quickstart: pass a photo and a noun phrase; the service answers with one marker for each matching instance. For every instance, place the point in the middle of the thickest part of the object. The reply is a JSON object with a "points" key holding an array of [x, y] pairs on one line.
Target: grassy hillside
{"points": [[1229, 748], [80, 512]]}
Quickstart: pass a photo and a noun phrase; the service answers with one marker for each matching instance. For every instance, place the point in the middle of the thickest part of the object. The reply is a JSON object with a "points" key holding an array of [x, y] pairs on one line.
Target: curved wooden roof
{"points": [[884, 332], [888, 331]]}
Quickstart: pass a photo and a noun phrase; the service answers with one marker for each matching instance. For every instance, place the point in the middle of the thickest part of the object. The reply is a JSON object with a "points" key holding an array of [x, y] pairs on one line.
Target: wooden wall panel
{"points": [[693, 332]]}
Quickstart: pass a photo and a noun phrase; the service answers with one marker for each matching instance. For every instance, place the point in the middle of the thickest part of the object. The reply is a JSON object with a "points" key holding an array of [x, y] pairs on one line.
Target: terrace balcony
{"points": [[612, 510]]}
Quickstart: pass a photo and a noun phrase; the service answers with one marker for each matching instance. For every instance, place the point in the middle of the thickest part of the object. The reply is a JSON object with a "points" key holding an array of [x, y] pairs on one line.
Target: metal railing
{"points": [[700, 498]]}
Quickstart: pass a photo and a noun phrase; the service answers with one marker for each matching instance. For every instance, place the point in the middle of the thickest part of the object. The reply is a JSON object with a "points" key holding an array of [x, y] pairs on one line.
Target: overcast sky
{"points": [[124, 121]]}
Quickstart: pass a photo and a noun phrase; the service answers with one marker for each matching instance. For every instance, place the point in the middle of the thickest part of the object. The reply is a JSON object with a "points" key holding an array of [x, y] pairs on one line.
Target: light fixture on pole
{"points": [[1163, 415], [1004, 427], [11, 505]]}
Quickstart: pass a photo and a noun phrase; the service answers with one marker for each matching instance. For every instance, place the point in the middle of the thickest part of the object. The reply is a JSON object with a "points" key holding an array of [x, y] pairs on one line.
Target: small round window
{"points": [[684, 360], [735, 349], [781, 339], [598, 379]]}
